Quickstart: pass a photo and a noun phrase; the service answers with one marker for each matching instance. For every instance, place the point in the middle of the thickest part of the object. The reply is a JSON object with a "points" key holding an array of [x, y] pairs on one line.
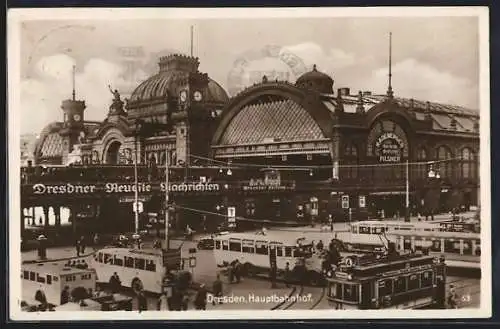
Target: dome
{"points": [[216, 93], [174, 69], [316, 80]]}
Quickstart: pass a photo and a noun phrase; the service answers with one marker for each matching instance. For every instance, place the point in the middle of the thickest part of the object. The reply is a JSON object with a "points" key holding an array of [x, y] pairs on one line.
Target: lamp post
{"points": [[167, 209], [407, 203], [434, 177], [136, 193]]}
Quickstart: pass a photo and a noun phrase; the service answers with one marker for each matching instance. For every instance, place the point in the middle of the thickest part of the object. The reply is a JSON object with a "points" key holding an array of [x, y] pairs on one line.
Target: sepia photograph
{"points": [[300, 163]]}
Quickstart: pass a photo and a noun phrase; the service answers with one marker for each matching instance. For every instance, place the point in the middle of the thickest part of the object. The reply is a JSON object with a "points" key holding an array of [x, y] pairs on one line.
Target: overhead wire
{"points": [[298, 167]]}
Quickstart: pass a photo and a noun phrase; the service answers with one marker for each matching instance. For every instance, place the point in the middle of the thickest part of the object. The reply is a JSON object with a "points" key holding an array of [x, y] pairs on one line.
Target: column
{"points": [[57, 214], [23, 219], [72, 218], [46, 213]]}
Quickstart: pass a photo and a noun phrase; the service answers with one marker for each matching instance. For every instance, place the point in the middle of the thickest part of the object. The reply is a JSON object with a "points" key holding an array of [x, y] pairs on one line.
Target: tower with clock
{"points": [[73, 124], [191, 117]]}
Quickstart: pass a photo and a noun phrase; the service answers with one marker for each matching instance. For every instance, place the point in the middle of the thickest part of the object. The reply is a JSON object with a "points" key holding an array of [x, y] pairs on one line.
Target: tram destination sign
{"points": [[119, 188]]}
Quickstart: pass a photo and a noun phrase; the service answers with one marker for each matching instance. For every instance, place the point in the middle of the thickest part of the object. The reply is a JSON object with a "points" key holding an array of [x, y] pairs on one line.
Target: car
{"points": [[206, 243]]}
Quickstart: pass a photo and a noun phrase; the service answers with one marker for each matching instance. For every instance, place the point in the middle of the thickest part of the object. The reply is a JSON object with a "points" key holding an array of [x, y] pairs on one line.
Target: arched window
{"points": [[163, 158], [152, 159], [467, 164], [351, 161], [445, 166], [422, 166]]}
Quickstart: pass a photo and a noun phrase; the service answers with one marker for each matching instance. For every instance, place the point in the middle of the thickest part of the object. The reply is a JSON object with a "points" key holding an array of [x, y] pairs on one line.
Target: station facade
{"points": [[276, 151]]}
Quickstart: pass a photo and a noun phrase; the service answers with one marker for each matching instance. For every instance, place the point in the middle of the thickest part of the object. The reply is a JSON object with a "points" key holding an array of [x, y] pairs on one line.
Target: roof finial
{"points": [[314, 67], [73, 79], [192, 28], [390, 93]]}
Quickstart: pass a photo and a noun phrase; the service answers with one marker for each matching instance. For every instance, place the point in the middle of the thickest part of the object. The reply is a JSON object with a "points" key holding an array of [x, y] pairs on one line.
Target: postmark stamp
{"points": [[282, 65], [301, 198]]}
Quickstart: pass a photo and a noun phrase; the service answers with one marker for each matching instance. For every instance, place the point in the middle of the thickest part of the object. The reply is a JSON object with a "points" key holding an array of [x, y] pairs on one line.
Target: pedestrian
{"points": [[452, 298], [41, 298], [320, 245], [217, 290], [273, 275], [115, 283], [200, 301], [96, 240], [78, 246], [287, 274], [237, 271], [142, 301], [65, 295], [184, 302], [162, 304], [82, 245], [230, 274]]}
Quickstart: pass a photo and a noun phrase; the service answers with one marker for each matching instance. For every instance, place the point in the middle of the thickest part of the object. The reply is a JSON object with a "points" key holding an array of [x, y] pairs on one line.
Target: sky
{"points": [[433, 58]]}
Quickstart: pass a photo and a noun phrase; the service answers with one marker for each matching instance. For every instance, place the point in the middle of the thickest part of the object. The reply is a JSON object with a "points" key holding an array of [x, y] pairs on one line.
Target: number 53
{"points": [[466, 298]]}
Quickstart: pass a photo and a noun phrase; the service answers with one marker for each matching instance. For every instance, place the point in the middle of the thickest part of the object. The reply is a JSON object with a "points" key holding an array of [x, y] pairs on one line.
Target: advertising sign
{"points": [[345, 202], [362, 201], [231, 216], [389, 148]]}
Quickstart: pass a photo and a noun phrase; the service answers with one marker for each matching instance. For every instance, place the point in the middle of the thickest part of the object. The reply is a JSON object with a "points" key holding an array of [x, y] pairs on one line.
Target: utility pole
{"points": [[136, 193], [407, 203], [167, 190]]}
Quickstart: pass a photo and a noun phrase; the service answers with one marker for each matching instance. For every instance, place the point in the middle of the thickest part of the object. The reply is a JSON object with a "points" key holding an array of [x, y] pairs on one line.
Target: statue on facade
{"points": [[117, 105]]}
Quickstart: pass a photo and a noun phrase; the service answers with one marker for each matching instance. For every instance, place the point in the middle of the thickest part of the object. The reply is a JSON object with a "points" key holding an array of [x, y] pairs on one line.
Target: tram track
{"points": [[316, 303], [303, 298], [294, 300]]}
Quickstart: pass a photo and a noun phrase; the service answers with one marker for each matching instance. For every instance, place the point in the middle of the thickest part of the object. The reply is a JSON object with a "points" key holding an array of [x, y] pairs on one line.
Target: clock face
{"points": [[76, 117], [183, 95], [197, 96]]}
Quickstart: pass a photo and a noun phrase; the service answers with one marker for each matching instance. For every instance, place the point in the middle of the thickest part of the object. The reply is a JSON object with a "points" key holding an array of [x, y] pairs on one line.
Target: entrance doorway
{"points": [[388, 206], [113, 153]]}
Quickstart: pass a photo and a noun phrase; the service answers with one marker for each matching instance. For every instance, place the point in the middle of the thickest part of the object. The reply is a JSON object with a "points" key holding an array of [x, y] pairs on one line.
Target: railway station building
{"points": [[276, 151]]}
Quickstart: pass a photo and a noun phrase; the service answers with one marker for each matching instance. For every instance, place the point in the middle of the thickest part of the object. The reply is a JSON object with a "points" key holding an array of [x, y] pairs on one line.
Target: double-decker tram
{"points": [[254, 250], [393, 281]]}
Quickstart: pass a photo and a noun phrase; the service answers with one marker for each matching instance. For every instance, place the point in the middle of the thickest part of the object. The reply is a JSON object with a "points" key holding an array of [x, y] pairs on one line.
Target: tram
{"points": [[392, 281], [254, 251], [462, 249]]}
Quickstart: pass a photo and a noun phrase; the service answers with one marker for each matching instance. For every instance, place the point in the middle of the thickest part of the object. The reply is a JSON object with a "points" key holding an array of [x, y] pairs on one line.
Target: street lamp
{"points": [[136, 192], [434, 177], [407, 203]]}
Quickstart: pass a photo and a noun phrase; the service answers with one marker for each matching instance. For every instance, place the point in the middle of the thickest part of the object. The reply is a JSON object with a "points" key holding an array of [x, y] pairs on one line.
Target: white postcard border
{"points": [[17, 16]]}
